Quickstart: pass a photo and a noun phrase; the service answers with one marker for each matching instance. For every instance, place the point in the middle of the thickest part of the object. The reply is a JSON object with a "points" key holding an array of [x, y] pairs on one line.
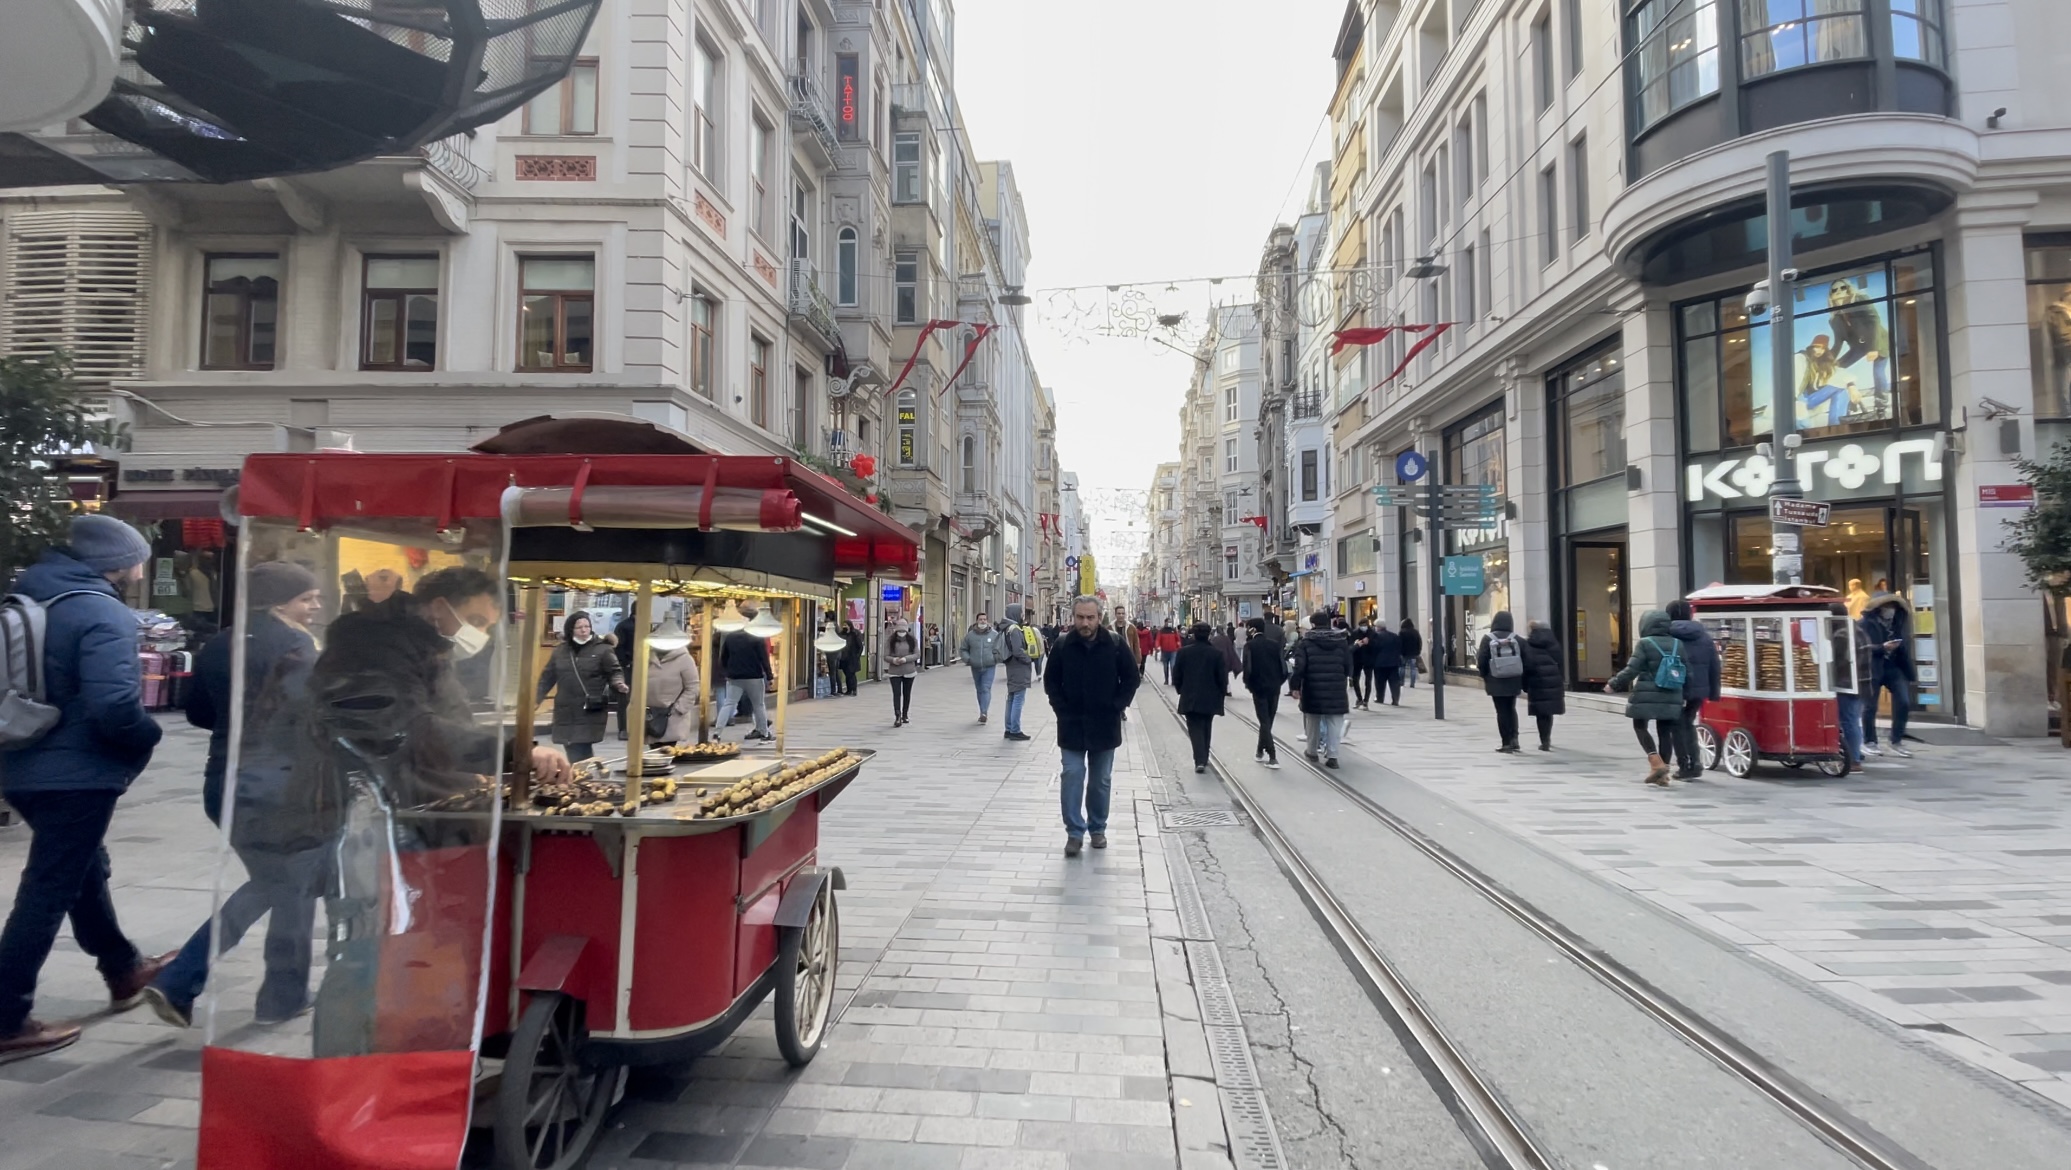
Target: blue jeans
{"points": [[1901, 707], [283, 887], [66, 876], [1851, 725], [758, 703], [1014, 701], [1834, 398], [981, 677], [1076, 791]]}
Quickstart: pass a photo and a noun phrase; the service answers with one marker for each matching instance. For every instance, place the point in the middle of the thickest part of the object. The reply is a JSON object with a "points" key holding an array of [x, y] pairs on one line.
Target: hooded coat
{"points": [[1499, 688], [1898, 628], [1545, 679], [1706, 673], [1014, 652], [1322, 672], [1649, 701], [1199, 675], [1412, 641], [581, 677], [1090, 682]]}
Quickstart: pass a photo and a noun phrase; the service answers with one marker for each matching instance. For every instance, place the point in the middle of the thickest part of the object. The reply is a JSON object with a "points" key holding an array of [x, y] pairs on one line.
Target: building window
{"points": [[556, 312], [704, 314], [1427, 203], [1542, 62], [758, 380], [879, 112], [240, 312], [801, 409], [761, 161], [568, 106], [1571, 22], [1231, 357], [1229, 562], [1578, 187], [1675, 56], [801, 221], [906, 288], [1788, 34], [1549, 215], [906, 169], [909, 428], [2049, 324], [1916, 31], [1481, 139], [1469, 310], [1868, 357], [1229, 456], [1474, 455], [970, 465], [1463, 163], [1229, 403], [399, 313], [1589, 398], [706, 143], [847, 255], [1311, 486]]}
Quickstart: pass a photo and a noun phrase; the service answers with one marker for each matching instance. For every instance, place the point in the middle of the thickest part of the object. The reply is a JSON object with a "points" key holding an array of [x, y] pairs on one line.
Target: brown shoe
{"points": [[36, 1039], [1658, 771], [1100, 840], [128, 991]]}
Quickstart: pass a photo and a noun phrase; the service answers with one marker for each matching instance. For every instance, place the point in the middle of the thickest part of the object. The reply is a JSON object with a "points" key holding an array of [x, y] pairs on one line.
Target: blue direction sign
{"points": [[1462, 576], [1410, 466], [1072, 563]]}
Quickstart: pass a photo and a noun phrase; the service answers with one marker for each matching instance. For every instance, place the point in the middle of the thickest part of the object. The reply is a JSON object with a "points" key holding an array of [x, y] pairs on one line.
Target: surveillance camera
{"points": [[1758, 299], [1790, 276]]}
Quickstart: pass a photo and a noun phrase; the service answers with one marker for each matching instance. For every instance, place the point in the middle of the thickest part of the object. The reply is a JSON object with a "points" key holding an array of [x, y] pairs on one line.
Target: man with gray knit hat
{"points": [[66, 784]]}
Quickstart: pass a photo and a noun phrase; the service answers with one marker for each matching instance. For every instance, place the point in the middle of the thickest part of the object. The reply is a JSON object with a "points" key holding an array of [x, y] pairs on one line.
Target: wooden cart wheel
{"points": [[1707, 747], [549, 1107], [1737, 753], [805, 979], [1832, 767]]}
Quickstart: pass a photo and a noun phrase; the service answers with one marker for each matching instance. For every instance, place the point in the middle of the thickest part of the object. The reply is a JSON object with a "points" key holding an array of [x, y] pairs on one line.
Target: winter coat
{"points": [[579, 677], [1199, 676], [1090, 682], [1322, 672], [852, 654], [1232, 663], [980, 648], [1705, 674], [672, 682], [103, 736], [1498, 688], [1545, 678], [1649, 701], [1265, 664], [1014, 652], [1412, 644], [743, 656], [1168, 642], [1862, 679], [1384, 651], [901, 654], [277, 661], [1879, 631], [1146, 641]]}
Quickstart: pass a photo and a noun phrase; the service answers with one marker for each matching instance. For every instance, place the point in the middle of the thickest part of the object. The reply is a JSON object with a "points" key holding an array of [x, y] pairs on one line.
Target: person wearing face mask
{"points": [[284, 857], [672, 695], [1888, 626], [901, 663], [584, 677]]}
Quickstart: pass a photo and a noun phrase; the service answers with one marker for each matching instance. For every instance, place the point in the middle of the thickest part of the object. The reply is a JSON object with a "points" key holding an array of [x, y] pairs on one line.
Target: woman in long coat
{"points": [[1545, 680], [672, 685], [1202, 679], [585, 678]]}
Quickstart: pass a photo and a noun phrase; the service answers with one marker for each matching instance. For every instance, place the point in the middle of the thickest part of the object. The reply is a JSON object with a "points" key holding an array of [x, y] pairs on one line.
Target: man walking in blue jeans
{"points": [[981, 652], [1091, 680]]}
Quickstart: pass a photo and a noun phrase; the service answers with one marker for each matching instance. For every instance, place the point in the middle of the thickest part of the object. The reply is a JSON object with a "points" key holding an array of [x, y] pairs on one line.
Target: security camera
{"points": [[1758, 299], [1995, 409], [1790, 276], [1992, 123]]}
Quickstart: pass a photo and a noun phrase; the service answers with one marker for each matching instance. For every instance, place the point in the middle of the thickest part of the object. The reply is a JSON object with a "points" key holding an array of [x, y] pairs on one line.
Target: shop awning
{"points": [[172, 505]]}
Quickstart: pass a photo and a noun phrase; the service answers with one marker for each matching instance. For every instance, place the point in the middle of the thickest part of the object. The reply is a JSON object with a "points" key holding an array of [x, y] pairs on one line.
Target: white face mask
{"points": [[581, 639], [468, 641]]}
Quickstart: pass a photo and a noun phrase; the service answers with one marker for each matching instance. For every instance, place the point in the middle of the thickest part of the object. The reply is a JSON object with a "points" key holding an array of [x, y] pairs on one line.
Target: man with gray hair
{"points": [[1092, 678]]}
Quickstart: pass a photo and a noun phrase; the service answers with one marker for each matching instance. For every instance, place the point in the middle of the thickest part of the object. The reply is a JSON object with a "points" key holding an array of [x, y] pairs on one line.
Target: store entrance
{"points": [[1862, 551], [1597, 633]]}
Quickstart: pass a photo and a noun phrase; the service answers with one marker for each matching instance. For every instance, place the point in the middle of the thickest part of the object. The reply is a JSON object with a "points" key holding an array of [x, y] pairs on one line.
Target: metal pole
{"points": [[1435, 554], [636, 696], [1786, 559]]}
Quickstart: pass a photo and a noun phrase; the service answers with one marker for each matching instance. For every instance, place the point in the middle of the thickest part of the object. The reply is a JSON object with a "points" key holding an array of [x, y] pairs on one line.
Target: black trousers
{"points": [[66, 877], [1506, 716], [902, 696], [1362, 677], [1685, 748], [1665, 728], [1198, 727], [1389, 681], [1545, 728], [1265, 706], [848, 679]]}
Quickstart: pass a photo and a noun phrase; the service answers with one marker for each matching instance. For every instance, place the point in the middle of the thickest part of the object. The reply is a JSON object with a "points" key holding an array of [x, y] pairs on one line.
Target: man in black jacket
{"points": [[744, 660], [1384, 654], [1322, 671], [1265, 672], [1092, 678]]}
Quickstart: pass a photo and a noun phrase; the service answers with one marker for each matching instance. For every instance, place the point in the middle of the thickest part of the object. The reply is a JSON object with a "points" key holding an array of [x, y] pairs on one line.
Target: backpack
{"points": [[1506, 659], [24, 716], [1032, 642], [1669, 676]]}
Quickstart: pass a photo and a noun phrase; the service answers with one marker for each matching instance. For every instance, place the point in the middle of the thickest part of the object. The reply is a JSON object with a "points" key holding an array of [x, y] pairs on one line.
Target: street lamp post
{"points": [[1786, 549]]}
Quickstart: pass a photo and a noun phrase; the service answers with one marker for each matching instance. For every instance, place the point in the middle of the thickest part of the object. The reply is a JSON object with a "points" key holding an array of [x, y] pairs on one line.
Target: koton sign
{"points": [[1835, 469]]}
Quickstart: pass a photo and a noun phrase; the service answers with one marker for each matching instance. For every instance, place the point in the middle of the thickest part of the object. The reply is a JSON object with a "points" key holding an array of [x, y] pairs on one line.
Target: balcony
{"points": [[1308, 404], [811, 123], [808, 306]]}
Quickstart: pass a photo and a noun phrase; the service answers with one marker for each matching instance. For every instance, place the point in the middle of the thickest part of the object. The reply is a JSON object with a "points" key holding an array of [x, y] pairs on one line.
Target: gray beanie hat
{"points": [[105, 544], [271, 583]]}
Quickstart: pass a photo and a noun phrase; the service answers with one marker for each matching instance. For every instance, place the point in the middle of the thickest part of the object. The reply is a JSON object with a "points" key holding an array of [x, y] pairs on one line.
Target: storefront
{"points": [[1474, 456], [1589, 487], [1870, 395]]}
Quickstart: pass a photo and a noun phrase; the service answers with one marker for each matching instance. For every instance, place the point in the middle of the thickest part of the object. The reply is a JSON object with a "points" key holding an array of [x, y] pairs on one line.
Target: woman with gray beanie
{"points": [[584, 677]]}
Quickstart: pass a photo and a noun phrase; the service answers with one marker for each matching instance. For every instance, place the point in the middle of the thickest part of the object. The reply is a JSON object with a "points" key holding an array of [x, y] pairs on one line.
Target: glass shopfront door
{"points": [[1597, 620]]}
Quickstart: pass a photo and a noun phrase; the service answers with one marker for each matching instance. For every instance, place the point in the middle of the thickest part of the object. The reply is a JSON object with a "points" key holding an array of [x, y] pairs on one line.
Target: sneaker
{"points": [[1100, 840], [36, 1038], [1258, 757], [172, 1013], [1072, 846], [1332, 762], [128, 991], [1200, 768], [1301, 735], [1871, 749], [1273, 764], [1310, 756], [981, 717], [1900, 752]]}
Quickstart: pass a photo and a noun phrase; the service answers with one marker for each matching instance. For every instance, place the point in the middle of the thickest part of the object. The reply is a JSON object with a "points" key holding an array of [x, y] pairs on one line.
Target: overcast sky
{"points": [[1152, 140]]}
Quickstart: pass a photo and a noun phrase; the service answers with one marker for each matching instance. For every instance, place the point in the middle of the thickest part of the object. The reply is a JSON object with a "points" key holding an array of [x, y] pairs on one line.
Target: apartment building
{"points": [[1574, 188], [1294, 438]]}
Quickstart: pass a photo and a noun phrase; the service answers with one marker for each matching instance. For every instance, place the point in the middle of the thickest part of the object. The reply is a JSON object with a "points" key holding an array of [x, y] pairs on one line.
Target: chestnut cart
{"points": [[1780, 648], [493, 950]]}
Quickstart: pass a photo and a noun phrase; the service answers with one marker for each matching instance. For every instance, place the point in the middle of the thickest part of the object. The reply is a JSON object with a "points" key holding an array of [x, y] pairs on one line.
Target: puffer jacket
{"points": [[1322, 672], [580, 677], [1706, 673], [1898, 629], [1649, 701], [1499, 688], [277, 660], [980, 648], [1545, 678], [103, 737]]}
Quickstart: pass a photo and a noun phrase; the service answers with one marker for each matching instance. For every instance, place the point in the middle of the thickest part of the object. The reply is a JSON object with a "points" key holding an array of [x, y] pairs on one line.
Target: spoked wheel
{"points": [[1832, 767], [549, 1107], [805, 979], [1737, 753], [1707, 747]]}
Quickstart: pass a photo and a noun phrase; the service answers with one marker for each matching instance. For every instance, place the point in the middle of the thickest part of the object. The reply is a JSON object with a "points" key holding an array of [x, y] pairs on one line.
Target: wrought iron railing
{"points": [[809, 304], [809, 112], [448, 156]]}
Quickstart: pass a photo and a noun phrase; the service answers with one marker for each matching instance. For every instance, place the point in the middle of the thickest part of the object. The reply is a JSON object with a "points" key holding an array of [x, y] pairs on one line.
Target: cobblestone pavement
{"points": [[1933, 891], [1001, 1005]]}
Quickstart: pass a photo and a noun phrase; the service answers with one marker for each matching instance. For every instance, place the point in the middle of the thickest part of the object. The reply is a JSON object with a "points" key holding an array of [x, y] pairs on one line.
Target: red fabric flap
{"points": [[399, 1111]]}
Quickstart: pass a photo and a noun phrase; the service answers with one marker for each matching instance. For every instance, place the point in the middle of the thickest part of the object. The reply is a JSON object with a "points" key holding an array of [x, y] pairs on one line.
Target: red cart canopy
{"points": [[315, 490]]}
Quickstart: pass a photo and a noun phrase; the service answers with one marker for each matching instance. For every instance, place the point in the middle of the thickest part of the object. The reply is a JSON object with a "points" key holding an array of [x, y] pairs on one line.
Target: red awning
{"points": [[313, 490]]}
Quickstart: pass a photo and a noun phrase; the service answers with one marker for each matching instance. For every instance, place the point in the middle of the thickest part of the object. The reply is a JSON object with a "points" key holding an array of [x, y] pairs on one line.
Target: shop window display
{"points": [[2049, 324], [1474, 455]]}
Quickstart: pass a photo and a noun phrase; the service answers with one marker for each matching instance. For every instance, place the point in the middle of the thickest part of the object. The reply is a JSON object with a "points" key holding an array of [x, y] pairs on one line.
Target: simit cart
{"points": [[497, 950], [1780, 648]]}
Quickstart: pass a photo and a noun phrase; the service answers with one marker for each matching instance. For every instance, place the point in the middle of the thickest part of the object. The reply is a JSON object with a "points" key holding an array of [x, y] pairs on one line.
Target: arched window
{"points": [[846, 252], [970, 464]]}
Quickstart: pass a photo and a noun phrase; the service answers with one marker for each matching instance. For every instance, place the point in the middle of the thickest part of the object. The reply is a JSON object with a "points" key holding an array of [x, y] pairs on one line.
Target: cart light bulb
{"points": [[765, 625], [830, 643]]}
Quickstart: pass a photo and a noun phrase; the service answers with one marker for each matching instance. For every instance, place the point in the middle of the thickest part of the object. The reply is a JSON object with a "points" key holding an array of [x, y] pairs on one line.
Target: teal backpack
{"points": [[1670, 675]]}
